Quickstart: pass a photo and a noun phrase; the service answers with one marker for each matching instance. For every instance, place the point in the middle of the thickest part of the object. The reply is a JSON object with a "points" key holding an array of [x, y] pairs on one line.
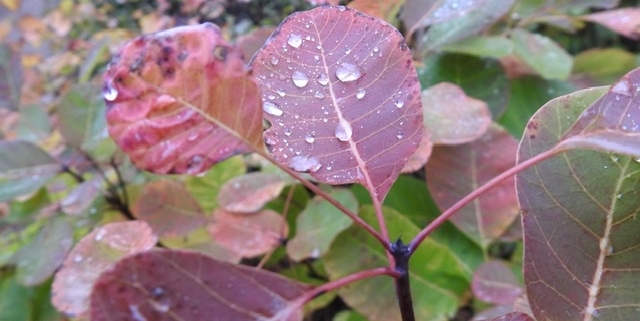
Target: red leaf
{"points": [[248, 193], [94, 254], [169, 208], [625, 21], [343, 97], [176, 285], [612, 123], [249, 234], [169, 97], [455, 171], [493, 282]]}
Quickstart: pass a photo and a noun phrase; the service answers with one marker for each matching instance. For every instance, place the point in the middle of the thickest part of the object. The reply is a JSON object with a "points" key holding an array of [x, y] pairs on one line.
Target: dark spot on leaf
{"points": [[220, 53], [182, 56], [169, 72], [532, 125], [532, 136]]}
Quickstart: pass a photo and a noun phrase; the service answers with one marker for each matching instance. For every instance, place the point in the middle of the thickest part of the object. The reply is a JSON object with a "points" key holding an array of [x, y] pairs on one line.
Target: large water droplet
{"points": [[360, 93], [274, 60], [281, 92], [294, 40], [342, 8], [399, 103], [349, 72], [271, 108], [323, 79], [109, 92], [299, 79], [287, 132], [305, 163], [319, 95], [310, 138], [343, 130]]}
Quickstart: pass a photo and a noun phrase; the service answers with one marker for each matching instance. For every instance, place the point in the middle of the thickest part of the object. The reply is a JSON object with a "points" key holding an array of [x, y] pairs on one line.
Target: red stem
{"points": [[417, 240]]}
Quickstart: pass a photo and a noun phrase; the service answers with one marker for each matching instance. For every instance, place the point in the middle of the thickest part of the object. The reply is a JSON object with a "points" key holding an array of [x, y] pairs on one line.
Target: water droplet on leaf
{"points": [[319, 95], [274, 60], [271, 108], [343, 130], [299, 79], [309, 138], [305, 164], [294, 41], [323, 79], [360, 93], [347, 72], [109, 92], [399, 103]]}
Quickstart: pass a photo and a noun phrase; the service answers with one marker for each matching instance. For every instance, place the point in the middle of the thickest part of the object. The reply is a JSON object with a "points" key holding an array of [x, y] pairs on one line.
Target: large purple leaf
{"points": [[182, 100], [612, 123], [177, 285], [582, 253], [455, 171], [342, 96]]}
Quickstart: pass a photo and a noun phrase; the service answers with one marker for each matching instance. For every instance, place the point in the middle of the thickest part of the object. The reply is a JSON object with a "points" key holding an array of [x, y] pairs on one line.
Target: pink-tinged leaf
{"points": [[421, 155], [248, 234], [253, 41], [612, 123], [495, 283], [342, 96], [200, 240], [455, 171], [10, 78], [422, 13], [168, 207], [167, 285], [514, 316], [250, 192], [580, 209], [95, 253], [453, 117], [182, 100], [82, 196], [625, 21]]}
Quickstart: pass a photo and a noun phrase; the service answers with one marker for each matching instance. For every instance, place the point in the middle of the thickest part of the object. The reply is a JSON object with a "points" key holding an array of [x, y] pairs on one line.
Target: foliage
{"points": [[480, 168]]}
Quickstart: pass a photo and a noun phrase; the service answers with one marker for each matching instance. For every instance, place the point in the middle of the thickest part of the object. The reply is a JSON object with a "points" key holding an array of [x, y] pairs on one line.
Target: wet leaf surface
{"points": [[542, 54], [384, 9], [205, 187], [612, 123], [455, 171], [422, 13], [342, 97], [248, 193], [167, 126], [95, 253], [248, 235], [453, 117], [514, 316], [494, 282], [168, 207], [319, 224], [176, 285], [24, 167], [580, 221]]}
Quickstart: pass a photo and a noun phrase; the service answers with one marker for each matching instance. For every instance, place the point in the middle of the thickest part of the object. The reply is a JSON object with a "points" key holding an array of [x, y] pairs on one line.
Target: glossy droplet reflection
{"points": [[323, 79], [360, 93], [343, 130], [274, 60], [271, 108], [294, 41], [399, 103], [109, 93], [305, 164], [299, 79], [347, 72]]}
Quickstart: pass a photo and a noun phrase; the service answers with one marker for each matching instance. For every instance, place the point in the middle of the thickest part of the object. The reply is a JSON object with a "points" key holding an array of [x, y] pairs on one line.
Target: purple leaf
{"points": [[580, 211], [455, 171], [248, 193], [342, 96], [177, 285], [623, 21], [169, 97], [495, 283], [612, 123], [514, 316]]}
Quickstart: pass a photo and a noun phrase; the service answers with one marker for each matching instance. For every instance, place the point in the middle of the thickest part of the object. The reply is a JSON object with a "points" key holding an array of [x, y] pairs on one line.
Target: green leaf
{"points": [[205, 187], [24, 168], [542, 54], [319, 224], [33, 124], [580, 213], [527, 95], [39, 259], [481, 78], [10, 78], [482, 46], [81, 115], [349, 316], [14, 300], [438, 281], [604, 65]]}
